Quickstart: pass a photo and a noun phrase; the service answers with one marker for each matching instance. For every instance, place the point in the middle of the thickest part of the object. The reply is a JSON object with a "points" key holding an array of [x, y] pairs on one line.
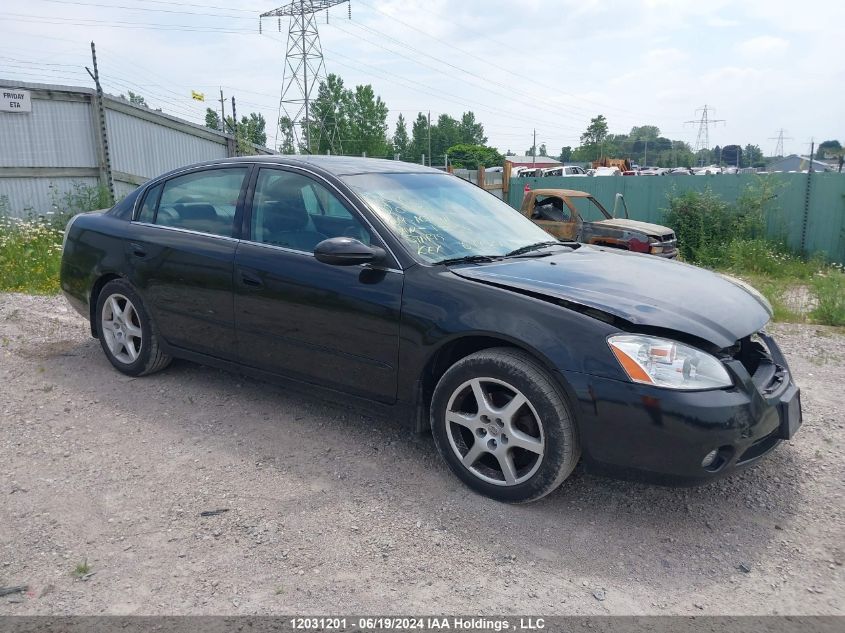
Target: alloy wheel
{"points": [[121, 328], [495, 431]]}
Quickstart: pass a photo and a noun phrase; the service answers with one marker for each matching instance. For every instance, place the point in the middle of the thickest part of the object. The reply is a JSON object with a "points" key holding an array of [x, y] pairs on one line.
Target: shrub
{"points": [[705, 224], [829, 288], [717, 235], [78, 199]]}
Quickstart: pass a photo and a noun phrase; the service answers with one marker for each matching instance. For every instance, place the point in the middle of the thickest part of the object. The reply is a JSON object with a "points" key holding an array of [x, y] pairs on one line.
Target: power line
{"points": [[438, 92], [136, 8], [509, 90], [487, 61], [170, 3], [60, 21], [580, 111]]}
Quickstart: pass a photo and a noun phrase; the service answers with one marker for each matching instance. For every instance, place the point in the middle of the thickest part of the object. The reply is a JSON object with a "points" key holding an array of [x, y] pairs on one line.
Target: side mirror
{"points": [[620, 198], [347, 251]]}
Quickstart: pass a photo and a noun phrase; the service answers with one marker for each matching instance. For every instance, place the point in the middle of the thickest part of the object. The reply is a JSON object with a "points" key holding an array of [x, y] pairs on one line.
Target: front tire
{"points": [[503, 426], [127, 334]]}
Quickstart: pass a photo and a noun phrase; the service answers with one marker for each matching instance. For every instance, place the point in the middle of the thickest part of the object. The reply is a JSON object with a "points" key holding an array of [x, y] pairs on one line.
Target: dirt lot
{"points": [[334, 509]]}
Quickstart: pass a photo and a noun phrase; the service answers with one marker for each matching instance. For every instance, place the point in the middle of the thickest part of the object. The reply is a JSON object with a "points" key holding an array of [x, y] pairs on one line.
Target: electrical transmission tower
{"points": [[702, 141], [780, 138], [304, 69]]}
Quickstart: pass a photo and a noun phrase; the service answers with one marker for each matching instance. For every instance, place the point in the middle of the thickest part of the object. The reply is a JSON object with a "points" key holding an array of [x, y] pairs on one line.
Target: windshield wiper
{"points": [[531, 247], [469, 259]]}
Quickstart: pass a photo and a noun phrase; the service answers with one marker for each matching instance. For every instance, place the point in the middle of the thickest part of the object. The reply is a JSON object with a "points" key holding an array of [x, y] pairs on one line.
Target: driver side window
{"points": [[296, 212]]}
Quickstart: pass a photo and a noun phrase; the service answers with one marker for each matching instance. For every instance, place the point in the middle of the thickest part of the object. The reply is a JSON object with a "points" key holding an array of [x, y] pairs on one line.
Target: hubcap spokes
{"points": [[121, 328], [495, 431]]}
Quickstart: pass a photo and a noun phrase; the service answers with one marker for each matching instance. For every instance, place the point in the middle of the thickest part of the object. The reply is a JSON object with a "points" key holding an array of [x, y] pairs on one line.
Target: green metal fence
{"points": [[808, 210]]}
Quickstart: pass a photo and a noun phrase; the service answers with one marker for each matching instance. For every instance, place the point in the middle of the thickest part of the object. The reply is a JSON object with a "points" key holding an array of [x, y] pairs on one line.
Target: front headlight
{"points": [[665, 363]]}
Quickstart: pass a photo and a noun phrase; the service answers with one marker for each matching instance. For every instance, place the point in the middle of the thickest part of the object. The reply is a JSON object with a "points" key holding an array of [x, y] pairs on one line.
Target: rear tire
{"points": [[127, 333], [503, 425]]}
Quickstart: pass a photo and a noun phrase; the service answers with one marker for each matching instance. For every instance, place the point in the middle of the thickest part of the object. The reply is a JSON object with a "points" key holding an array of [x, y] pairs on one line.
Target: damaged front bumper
{"points": [[667, 436]]}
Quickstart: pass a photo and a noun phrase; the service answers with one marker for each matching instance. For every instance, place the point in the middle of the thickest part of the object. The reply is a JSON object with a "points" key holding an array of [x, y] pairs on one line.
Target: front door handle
{"points": [[251, 280], [137, 250]]}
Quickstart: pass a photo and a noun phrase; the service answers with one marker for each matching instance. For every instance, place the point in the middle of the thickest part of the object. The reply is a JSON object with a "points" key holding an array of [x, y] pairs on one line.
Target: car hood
{"points": [[635, 225], [641, 289]]}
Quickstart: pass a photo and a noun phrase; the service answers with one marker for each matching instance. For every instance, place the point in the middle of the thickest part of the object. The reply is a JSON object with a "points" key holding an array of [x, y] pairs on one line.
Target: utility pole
{"points": [[812, 151], [645, 155], [534, 150], [235, 125], [304, 69], [105, 156], [429, 138], [222, 113], [702, 141]]}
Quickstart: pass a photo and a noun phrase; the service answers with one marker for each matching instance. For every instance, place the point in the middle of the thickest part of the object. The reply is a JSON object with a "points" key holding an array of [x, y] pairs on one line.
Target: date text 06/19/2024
{"points": [[432, 623]]}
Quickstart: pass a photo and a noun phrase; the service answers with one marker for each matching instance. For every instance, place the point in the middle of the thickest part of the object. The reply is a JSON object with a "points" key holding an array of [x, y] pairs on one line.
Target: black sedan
{"points": [[411, 287]]}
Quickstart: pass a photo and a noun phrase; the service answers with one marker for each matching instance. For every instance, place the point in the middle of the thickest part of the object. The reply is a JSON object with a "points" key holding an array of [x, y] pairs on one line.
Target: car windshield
{"points": [[443, 217]]}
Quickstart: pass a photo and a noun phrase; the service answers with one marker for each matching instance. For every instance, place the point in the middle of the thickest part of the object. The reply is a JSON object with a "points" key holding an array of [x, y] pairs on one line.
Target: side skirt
{"points": [[400, 410]]}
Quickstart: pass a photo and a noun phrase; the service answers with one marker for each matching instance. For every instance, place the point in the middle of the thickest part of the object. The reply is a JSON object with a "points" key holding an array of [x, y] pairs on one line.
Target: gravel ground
{"points": [[334, 508]]}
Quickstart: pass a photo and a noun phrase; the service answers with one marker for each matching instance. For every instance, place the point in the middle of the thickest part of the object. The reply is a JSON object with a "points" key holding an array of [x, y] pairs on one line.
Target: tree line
{"points": [[353, 122], [644, 145]]}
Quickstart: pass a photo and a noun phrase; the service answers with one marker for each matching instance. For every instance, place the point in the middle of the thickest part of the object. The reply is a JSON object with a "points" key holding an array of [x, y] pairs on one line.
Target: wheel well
{"points": [[95, 295], [442, 360]]}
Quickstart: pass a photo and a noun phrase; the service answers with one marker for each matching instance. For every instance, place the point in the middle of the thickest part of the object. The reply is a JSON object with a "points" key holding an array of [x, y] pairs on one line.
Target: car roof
{"points": [[335, 165], [569, 193]]}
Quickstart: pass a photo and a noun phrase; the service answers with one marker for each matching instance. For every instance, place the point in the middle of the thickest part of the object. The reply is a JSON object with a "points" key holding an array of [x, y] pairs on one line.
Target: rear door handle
{"points": [[251, 280], [137, 250]]}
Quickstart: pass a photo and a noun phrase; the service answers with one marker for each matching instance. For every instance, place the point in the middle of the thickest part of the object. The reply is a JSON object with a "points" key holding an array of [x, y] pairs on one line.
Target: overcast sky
{"points": [[762, 65]]}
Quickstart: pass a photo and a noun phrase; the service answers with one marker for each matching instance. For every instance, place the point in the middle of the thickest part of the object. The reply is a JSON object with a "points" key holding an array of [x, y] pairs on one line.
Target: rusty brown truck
{"points": [[577, 216]]}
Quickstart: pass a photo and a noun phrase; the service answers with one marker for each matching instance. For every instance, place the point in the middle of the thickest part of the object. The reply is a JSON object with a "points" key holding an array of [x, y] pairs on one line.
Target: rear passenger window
{"points": [[202, 201], [148, 209]]}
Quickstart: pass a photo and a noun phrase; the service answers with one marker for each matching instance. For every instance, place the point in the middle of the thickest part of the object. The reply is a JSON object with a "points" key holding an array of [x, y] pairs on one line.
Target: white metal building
{"points": [[51, 139]]}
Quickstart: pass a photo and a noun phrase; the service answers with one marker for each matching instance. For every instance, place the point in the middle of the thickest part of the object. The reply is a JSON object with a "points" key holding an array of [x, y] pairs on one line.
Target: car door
{"points": [[335, 325], [181, 257]]}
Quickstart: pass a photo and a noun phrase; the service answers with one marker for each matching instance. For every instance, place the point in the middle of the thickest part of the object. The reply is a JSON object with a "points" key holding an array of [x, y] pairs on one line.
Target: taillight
{"points": [[638, 246]]}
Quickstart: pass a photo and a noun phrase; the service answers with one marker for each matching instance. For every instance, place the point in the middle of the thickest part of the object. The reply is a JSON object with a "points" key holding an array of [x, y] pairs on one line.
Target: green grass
{"points": [[780, 274], [82, 569], [829, 289], [30, 256], [31, 248]]}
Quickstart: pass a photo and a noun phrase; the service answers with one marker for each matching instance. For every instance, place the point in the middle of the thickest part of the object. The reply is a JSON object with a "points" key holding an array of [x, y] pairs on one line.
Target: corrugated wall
{"points": [[147, 149], [43, 153], [55, 134], [647, 199], [36, 196]]}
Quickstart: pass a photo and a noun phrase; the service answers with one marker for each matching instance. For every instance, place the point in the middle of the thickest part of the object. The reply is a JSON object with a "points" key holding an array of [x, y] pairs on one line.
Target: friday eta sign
{"points": [[15, 100]]}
